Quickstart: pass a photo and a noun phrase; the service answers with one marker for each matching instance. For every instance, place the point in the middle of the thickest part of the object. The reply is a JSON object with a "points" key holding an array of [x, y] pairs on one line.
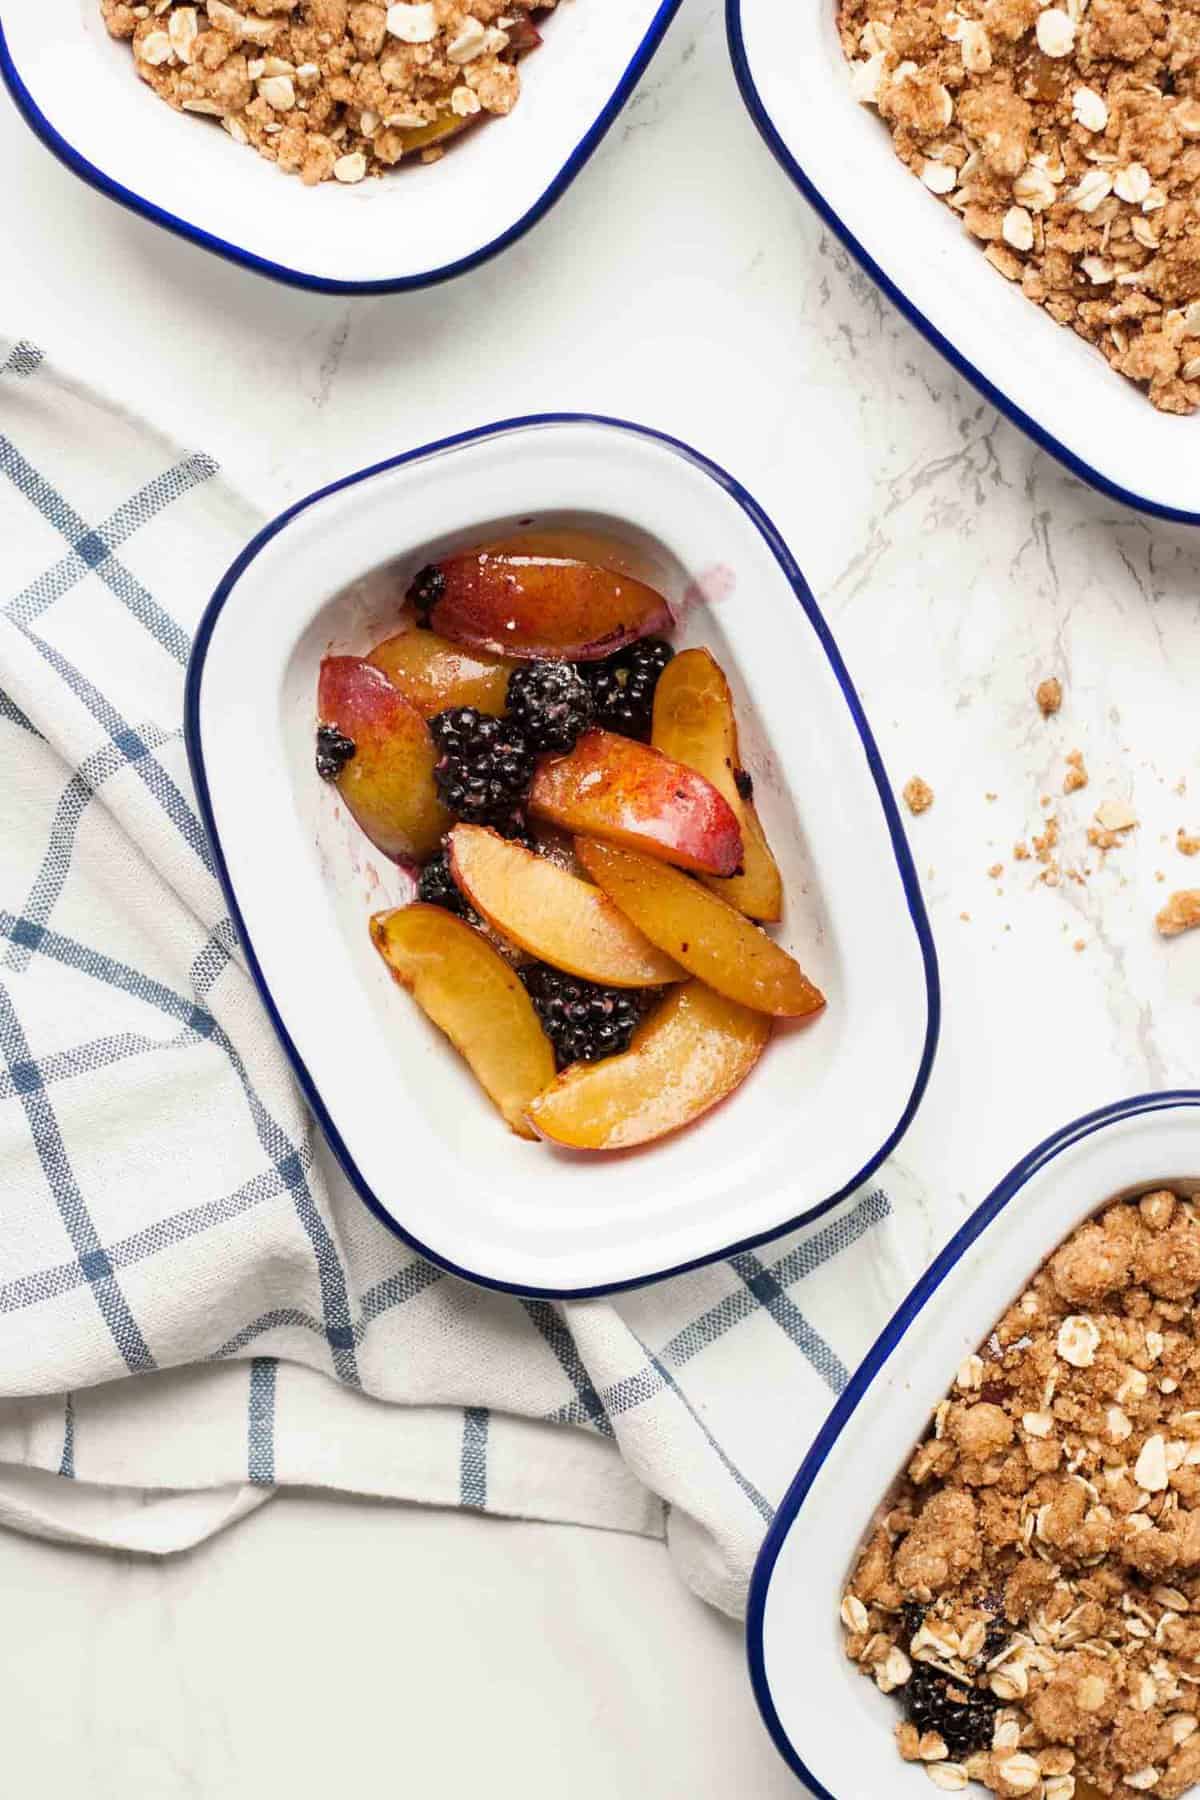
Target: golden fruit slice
{"points": [[471, 994], [435, 674], [694, 722], [708, 936], [387, 780], [614, 787], [692, 1050], [555, 916]]}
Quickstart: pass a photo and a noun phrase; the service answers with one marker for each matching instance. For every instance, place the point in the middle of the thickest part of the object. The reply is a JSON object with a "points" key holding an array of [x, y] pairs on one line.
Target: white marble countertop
{"points": [[682, 282]]}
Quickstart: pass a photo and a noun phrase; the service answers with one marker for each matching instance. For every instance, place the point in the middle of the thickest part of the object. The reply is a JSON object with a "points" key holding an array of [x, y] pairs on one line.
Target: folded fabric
{"points": [[195, 1310]]}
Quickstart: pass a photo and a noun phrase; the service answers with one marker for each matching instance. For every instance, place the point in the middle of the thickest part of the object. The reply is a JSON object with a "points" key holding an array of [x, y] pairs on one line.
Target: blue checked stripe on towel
{"points": [[191, 1301]]}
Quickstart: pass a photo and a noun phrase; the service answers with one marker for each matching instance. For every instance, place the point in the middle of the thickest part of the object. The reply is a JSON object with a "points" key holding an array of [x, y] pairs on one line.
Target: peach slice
{"points": [[613, 787], [388, 781], [471, 994], [555, 916], [708, 936], [435, 674], [688, 1054], [694, 722], [537, 606]]}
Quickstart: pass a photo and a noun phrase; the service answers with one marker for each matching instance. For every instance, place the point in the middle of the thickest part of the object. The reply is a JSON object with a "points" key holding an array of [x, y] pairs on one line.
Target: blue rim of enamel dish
{"points": [[877, 1356], [236, 253], [904, 862], [773, 139]]}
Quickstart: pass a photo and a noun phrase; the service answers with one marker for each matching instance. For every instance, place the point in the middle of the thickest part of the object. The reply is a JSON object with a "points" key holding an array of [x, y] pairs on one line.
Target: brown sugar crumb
{"points": [[918, 795], [1021, 852], [1046, 842], [1076, 776], [1049, 695], [1029, 1592], [1079, 944], [1186, 844], [1180, 914], [996, 871], [1066, 137], [331, 90]]}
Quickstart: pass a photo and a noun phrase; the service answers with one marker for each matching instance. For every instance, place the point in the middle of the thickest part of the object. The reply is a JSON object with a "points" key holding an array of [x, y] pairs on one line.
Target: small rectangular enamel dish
{"points": [[834, 1728], [77, 89], [1048, 381], [415, 1135]]}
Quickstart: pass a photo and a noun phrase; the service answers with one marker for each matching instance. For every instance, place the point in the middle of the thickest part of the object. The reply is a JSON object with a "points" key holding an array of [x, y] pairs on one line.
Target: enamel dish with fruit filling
{"points": [[835, 1729], [1049, 382], [77, 89], [407, 1120]]}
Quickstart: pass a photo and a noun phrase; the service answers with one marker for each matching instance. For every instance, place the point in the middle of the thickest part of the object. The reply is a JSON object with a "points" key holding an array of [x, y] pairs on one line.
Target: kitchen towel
{"points": [[195, 1311]]}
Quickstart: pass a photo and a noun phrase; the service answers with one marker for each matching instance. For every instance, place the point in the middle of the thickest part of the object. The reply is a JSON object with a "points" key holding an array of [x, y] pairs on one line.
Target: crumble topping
{"points": [[331, 89], [1067, 138], [1031, 1591]]}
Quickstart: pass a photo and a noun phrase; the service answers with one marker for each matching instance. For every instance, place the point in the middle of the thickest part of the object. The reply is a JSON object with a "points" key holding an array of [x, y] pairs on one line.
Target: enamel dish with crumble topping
{"points": [[517, 767], [417, 138], [1020, 176], [1010, 1605]]}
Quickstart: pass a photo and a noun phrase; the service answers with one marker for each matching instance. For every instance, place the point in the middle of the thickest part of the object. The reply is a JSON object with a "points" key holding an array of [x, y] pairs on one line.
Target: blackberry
{"points": [[437, 887], [334, 750], [484, 765], [428, 586], [962, 1715], [623, 686], [552, 701], [583, 1022]]}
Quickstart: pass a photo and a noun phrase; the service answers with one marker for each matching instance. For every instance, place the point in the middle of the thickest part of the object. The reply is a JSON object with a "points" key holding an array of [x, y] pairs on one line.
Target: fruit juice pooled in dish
{"points": [[592, 878]]}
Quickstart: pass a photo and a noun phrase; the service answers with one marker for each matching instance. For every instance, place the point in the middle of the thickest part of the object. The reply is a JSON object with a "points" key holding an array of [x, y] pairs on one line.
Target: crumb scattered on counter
{"points": [[996, 871], [1186, 844], [1113, 819], [1180, 914], [918, 795], [1077, 775], [1049, 696], [1079, 944]]}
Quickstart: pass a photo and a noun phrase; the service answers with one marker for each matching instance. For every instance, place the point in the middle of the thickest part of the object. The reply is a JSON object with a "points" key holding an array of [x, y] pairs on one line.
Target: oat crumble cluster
{"points": [[1067, 138], [331, 89], [1031, 1596]]}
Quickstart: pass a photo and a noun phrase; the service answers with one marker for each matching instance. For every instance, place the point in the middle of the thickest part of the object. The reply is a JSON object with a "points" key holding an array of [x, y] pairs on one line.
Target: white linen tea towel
{"points": [[195, 1311]]}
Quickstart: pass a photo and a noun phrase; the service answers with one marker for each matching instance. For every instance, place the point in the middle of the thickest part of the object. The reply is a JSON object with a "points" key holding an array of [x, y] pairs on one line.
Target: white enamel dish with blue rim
{"points": [[414, 1133], [834, 1728], [78, 91], [795, 81]]}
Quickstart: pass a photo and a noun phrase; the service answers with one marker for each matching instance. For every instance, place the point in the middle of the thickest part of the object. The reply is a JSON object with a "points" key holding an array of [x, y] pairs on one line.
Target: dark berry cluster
{"points": [[962, 1715], [484, 765], [334, 750], [428, 586], [583, 1021], [437, 887], [623, 686], [553, 703]]}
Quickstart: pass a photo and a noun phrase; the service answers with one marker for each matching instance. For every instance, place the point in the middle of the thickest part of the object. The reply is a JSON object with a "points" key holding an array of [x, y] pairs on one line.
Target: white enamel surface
{"points": [[824, 1098], [839, 1725], [1062, 385], [419, 219]]}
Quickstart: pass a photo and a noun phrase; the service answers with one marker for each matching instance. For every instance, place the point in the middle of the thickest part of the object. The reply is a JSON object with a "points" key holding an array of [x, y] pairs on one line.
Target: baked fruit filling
{"points": [[591, 875], [1030, 1594]]}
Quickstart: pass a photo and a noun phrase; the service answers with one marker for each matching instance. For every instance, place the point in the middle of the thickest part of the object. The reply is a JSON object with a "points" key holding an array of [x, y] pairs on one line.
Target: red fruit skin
{"points": [[388, 782], [613, 787], [534, 606]]}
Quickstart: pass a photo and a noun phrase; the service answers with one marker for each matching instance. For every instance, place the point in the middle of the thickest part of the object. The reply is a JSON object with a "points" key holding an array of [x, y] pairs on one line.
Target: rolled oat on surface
{"points": [[1067, 138], [1030, 1594]]}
